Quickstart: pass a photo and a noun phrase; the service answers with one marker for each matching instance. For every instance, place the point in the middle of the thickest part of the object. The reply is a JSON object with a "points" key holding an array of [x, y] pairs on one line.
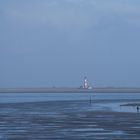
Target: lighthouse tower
{"points": [[85, 83]]}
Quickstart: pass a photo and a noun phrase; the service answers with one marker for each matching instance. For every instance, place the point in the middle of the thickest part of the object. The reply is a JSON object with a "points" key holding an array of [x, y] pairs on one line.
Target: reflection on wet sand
{"points": [[67, 120]]}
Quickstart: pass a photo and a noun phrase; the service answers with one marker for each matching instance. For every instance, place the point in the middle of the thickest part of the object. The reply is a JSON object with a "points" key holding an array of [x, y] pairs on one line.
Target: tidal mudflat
{"points": [[68, 120]]}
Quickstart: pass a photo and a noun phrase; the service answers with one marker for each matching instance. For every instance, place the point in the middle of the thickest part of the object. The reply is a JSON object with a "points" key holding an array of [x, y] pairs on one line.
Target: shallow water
{"points": [[42, 97], [68, 116], [65, 120], [38, 97]]}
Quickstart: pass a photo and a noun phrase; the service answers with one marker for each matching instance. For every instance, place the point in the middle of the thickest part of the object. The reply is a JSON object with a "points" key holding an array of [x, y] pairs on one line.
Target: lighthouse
{"points": [[85, 83]]}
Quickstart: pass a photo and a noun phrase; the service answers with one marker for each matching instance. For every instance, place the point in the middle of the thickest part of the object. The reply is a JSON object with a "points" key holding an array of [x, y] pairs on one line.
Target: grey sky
{"points": [[58, 42]]}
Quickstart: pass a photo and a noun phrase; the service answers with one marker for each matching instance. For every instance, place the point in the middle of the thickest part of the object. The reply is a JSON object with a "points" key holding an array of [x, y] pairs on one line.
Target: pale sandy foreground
{"points": [[67, 120]]}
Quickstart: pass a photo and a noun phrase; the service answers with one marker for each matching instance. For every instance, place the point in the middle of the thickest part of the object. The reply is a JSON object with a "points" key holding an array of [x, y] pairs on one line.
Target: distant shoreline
{"points": [[69, 90]]}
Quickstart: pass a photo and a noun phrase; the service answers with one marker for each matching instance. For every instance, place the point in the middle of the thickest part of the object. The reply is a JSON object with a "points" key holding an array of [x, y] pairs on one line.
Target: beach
{"points": [[70, 120]]}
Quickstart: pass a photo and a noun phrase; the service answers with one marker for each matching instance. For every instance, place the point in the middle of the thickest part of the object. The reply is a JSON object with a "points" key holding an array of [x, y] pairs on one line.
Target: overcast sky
{"points": [[58, 42]]}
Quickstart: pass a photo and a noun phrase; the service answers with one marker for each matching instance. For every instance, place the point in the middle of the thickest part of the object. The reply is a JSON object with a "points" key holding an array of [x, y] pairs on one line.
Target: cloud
{"points": [[56, 14], [76, 14]]}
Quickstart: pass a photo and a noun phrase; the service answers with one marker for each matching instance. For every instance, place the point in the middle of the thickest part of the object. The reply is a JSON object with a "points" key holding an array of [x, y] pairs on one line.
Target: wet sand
{"points": [[67, 120]]}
